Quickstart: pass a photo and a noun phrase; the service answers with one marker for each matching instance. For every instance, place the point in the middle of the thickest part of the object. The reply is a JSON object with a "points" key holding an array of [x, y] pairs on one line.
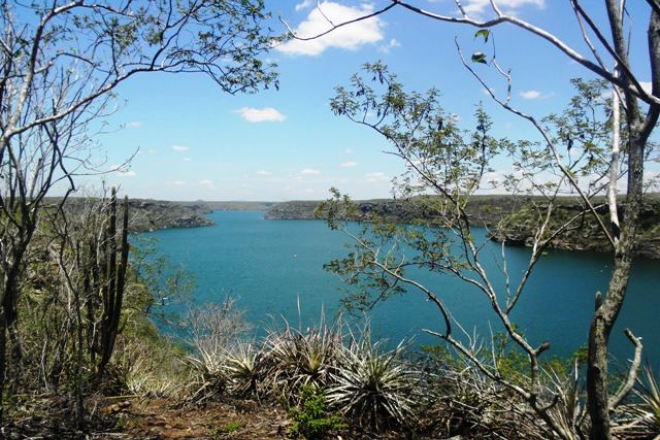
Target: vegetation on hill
{"points": [[149, 215], [510, 219]]}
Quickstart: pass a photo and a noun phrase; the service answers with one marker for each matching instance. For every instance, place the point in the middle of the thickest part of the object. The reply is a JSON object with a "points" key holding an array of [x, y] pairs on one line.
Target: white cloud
{"points": [[348, 37], [349, 164], [647, 86], [187, 159], [535, 94], [310, 172], [492, 181], [267, 114], [208, 183], [263, 173], [134, 124], [393, 44], [531, 94], [122, 170], [376, 177], [178, 182], [304, 5], [180, 148], [478, 7]]}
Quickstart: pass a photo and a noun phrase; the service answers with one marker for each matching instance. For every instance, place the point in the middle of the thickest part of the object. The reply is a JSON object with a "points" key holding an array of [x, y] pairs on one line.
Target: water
{"points": [[275, 269]]}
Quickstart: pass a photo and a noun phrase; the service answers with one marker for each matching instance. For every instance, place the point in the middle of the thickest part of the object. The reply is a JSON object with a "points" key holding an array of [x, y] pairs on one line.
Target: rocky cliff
{"points": [[582, 231], [150, 215], [511, 219]]}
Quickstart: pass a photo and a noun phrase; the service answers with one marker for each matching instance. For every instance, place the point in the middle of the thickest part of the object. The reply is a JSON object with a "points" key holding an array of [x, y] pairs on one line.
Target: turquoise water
{"points": [[275, 269]]}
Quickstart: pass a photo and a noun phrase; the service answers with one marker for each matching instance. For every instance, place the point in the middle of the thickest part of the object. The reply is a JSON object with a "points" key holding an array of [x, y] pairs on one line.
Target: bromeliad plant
{"points": [[295, 359], [242, 363], [647, 420], [373, 387], [213, 332]]}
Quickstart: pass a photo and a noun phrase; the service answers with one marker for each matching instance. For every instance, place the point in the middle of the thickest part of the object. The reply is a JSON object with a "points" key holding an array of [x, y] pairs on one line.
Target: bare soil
{"points": [[163, 419]]}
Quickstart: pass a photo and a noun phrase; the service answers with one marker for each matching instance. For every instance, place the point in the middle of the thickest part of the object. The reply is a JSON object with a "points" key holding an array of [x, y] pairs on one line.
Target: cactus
{"points": [[112, 267]]}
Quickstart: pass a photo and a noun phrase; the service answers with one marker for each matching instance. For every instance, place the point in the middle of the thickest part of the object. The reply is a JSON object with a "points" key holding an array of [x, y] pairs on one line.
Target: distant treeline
{"points": [[512, 219]]}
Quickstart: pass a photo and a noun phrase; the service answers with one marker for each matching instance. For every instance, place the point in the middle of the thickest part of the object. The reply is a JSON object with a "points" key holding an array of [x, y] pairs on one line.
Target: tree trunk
{"points": [[606, 313], [3, 362]]}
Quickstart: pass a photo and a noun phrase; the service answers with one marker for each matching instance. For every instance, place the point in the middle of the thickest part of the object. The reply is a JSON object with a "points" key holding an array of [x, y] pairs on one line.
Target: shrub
{"points": [[373, 388], [296, 359], [213, 331], [311, 419], [242, 363]]}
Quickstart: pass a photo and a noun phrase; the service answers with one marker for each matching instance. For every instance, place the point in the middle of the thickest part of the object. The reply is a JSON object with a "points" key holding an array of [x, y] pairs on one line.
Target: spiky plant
{"points": [[373, 388], [213, 331], [568, 412], [297, 359], [242, 368], [647, 412]]}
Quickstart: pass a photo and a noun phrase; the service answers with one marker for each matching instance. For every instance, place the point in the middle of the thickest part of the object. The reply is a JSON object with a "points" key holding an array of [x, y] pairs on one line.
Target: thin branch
{"points": [[654, 5], [548, 141], [334, 27], [628, 385]]}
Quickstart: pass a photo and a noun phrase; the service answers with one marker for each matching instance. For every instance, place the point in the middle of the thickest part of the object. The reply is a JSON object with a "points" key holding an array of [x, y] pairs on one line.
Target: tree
{"points": [[625, 155], [78, 318], [60, 64]]}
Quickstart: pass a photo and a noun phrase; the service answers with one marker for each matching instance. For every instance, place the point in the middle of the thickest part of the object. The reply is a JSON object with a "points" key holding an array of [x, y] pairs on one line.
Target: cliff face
{"points": [[583, 232], [481, 210], [511, 219], [150, 215], [296, 210]]}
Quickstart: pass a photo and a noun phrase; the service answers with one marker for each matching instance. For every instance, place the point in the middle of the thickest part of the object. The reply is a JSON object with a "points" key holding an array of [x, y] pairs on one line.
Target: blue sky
{"points": [[195, 143]]}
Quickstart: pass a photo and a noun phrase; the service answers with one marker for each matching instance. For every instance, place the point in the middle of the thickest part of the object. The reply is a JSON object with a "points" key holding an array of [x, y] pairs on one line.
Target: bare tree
{"points": [[60, 63], [607, 57]]}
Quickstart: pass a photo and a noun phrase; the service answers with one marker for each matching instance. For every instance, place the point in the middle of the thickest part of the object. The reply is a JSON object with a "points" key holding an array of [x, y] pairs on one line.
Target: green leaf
{"points": [[485, 33], [479, 57]]}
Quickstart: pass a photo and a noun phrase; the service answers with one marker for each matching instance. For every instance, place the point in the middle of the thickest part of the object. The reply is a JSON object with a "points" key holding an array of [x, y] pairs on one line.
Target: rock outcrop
{"points": [[511, 219], [150, 215]]}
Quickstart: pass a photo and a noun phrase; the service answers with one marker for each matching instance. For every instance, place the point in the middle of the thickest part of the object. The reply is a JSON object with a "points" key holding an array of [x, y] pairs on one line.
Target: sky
{"points": [[189, 141]]}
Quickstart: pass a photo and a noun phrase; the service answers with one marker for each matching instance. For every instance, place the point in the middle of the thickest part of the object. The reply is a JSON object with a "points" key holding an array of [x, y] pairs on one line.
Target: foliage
{"points": [[453, 164], [243, 368], [373, 387], [215, 332], [61, 64], [608, 151], [466, 401], [647, 411], [311, 419], [294, 359], [162, 288]]}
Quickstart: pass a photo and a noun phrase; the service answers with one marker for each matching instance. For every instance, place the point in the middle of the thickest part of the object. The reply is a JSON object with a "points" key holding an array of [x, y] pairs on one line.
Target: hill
{"points": [[511, 219]]}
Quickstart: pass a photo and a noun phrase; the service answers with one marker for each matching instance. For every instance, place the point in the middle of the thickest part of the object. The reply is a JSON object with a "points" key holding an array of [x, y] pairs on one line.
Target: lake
{"points": [[275, 269]]}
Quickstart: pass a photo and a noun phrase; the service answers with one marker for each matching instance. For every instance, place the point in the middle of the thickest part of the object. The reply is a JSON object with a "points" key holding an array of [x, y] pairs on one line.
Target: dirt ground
{"points": [[135, 418], [150, 419], [160, 419]]}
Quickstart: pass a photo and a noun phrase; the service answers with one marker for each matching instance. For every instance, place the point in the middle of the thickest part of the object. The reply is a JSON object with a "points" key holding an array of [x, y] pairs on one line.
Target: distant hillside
{"points": [[484, 210], [294, 210], [511, 219], [150, 215], [153, 214], [235, 206]]}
